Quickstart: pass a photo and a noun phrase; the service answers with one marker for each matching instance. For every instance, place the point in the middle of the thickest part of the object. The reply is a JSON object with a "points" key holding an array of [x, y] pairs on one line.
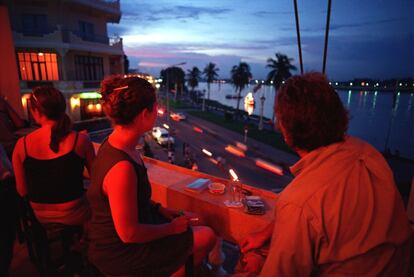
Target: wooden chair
{"points": [[49, 245]]}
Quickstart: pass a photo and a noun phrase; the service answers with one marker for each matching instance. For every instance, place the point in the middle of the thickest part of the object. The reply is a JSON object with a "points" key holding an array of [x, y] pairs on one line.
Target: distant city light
{"points": [[400, 84], [40, 54], [272, 83], [257, 81], [336, 83], [350, 84], [330, 83], [367, 84]]}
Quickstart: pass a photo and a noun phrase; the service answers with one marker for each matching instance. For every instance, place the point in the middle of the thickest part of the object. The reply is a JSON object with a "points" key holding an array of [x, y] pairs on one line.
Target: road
{"points": [[248, 172]]}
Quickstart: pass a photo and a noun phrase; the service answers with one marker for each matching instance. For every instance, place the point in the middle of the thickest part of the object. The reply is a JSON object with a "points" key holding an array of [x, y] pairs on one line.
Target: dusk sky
{"points": [[368, 38]]}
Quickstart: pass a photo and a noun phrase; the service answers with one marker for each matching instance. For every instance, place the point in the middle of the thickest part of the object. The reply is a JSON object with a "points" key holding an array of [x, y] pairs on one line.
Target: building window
{"points": [[38, 66], [89, 68], [34, 24], [86, 31]]}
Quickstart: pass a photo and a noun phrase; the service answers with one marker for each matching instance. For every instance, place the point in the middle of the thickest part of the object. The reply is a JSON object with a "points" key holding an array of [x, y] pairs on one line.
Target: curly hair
{"points": [[50, 102], [125, 98], [310, 112]]}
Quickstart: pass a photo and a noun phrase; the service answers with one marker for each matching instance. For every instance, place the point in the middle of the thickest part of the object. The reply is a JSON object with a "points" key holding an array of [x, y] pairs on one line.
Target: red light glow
{"points": [[198, 130]]}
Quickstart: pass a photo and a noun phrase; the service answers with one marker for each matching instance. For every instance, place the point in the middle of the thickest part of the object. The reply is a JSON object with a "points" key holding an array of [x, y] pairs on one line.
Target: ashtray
{"points": [[216, 188]]}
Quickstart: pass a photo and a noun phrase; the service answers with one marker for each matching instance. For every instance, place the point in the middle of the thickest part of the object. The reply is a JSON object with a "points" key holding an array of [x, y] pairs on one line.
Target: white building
{"points": [[65, 43]]}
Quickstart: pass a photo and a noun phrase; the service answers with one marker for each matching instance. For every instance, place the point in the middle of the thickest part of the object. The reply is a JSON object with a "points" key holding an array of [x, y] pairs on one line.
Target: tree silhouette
{"points": [[175, 78], [240, 77], [210, 72], [193, 76], [280, 69]]}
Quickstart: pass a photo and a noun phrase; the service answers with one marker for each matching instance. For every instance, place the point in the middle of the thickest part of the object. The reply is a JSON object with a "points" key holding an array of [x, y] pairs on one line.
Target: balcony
{"points": [[168, 183], [68, 39]]}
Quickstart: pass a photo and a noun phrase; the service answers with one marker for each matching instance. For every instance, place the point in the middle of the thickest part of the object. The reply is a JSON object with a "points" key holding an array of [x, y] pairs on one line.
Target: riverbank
{"points": [[372, 88]]}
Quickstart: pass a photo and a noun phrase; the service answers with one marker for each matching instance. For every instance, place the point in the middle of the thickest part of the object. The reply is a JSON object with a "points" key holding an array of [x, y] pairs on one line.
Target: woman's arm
{"points": [[120, 185], [17, 161], [88, 152]]}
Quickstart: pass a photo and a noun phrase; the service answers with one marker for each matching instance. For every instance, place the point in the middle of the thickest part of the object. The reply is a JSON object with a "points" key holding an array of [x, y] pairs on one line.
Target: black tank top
{"points": [[56, 180], [102, 231]]}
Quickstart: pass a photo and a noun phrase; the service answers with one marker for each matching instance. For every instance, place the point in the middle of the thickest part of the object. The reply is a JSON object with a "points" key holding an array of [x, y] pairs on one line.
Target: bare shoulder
{"points": [[121, 175], [19, 147]]}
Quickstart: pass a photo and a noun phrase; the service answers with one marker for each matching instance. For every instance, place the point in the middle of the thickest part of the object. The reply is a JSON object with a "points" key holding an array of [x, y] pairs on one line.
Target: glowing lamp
{"points": [[74, 102]]}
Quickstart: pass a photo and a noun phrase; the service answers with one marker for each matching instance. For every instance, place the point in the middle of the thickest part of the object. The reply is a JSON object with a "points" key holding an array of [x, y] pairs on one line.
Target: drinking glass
{"points": [[235, 201]]}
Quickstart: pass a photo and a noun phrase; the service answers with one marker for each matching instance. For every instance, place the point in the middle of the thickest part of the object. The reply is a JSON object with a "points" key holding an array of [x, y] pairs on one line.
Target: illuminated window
{"points": [[38, 66]]}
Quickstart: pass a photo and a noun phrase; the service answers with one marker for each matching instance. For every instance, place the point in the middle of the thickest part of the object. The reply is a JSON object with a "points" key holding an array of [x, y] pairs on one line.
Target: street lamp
{"points": [[168, 88], [262, 99]]}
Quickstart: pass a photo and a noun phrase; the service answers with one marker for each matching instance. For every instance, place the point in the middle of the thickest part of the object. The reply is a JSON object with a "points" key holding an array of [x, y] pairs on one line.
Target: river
{"points": [[379, 117]]}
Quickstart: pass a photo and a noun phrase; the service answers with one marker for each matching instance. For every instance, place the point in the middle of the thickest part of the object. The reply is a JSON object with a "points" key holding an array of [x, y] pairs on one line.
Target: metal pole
{"points": [[325, 50], [168, 96], [262, 99], [298, 35]]}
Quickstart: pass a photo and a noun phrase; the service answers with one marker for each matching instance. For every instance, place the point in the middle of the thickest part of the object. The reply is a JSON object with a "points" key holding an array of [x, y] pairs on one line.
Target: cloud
{"points": [[261, 14], [340, 26], [150, 14]]}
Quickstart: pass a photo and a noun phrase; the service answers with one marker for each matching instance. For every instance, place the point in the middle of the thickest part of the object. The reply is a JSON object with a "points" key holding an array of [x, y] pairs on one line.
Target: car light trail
{"points": [[233, 174], [208, 153], [198, 130], [235, 151], [268, 166]]}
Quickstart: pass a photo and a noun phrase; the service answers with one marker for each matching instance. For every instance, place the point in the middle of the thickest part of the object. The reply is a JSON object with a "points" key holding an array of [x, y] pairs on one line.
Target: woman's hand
{"points": [[253, 262], [253, 241], [170, 213], [179, 225]]}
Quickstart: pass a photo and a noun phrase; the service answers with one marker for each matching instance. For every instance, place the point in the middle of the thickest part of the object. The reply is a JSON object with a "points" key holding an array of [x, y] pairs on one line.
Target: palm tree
{"points": [[210, 72], [193, 76], [280, 69], [240, 77]]}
